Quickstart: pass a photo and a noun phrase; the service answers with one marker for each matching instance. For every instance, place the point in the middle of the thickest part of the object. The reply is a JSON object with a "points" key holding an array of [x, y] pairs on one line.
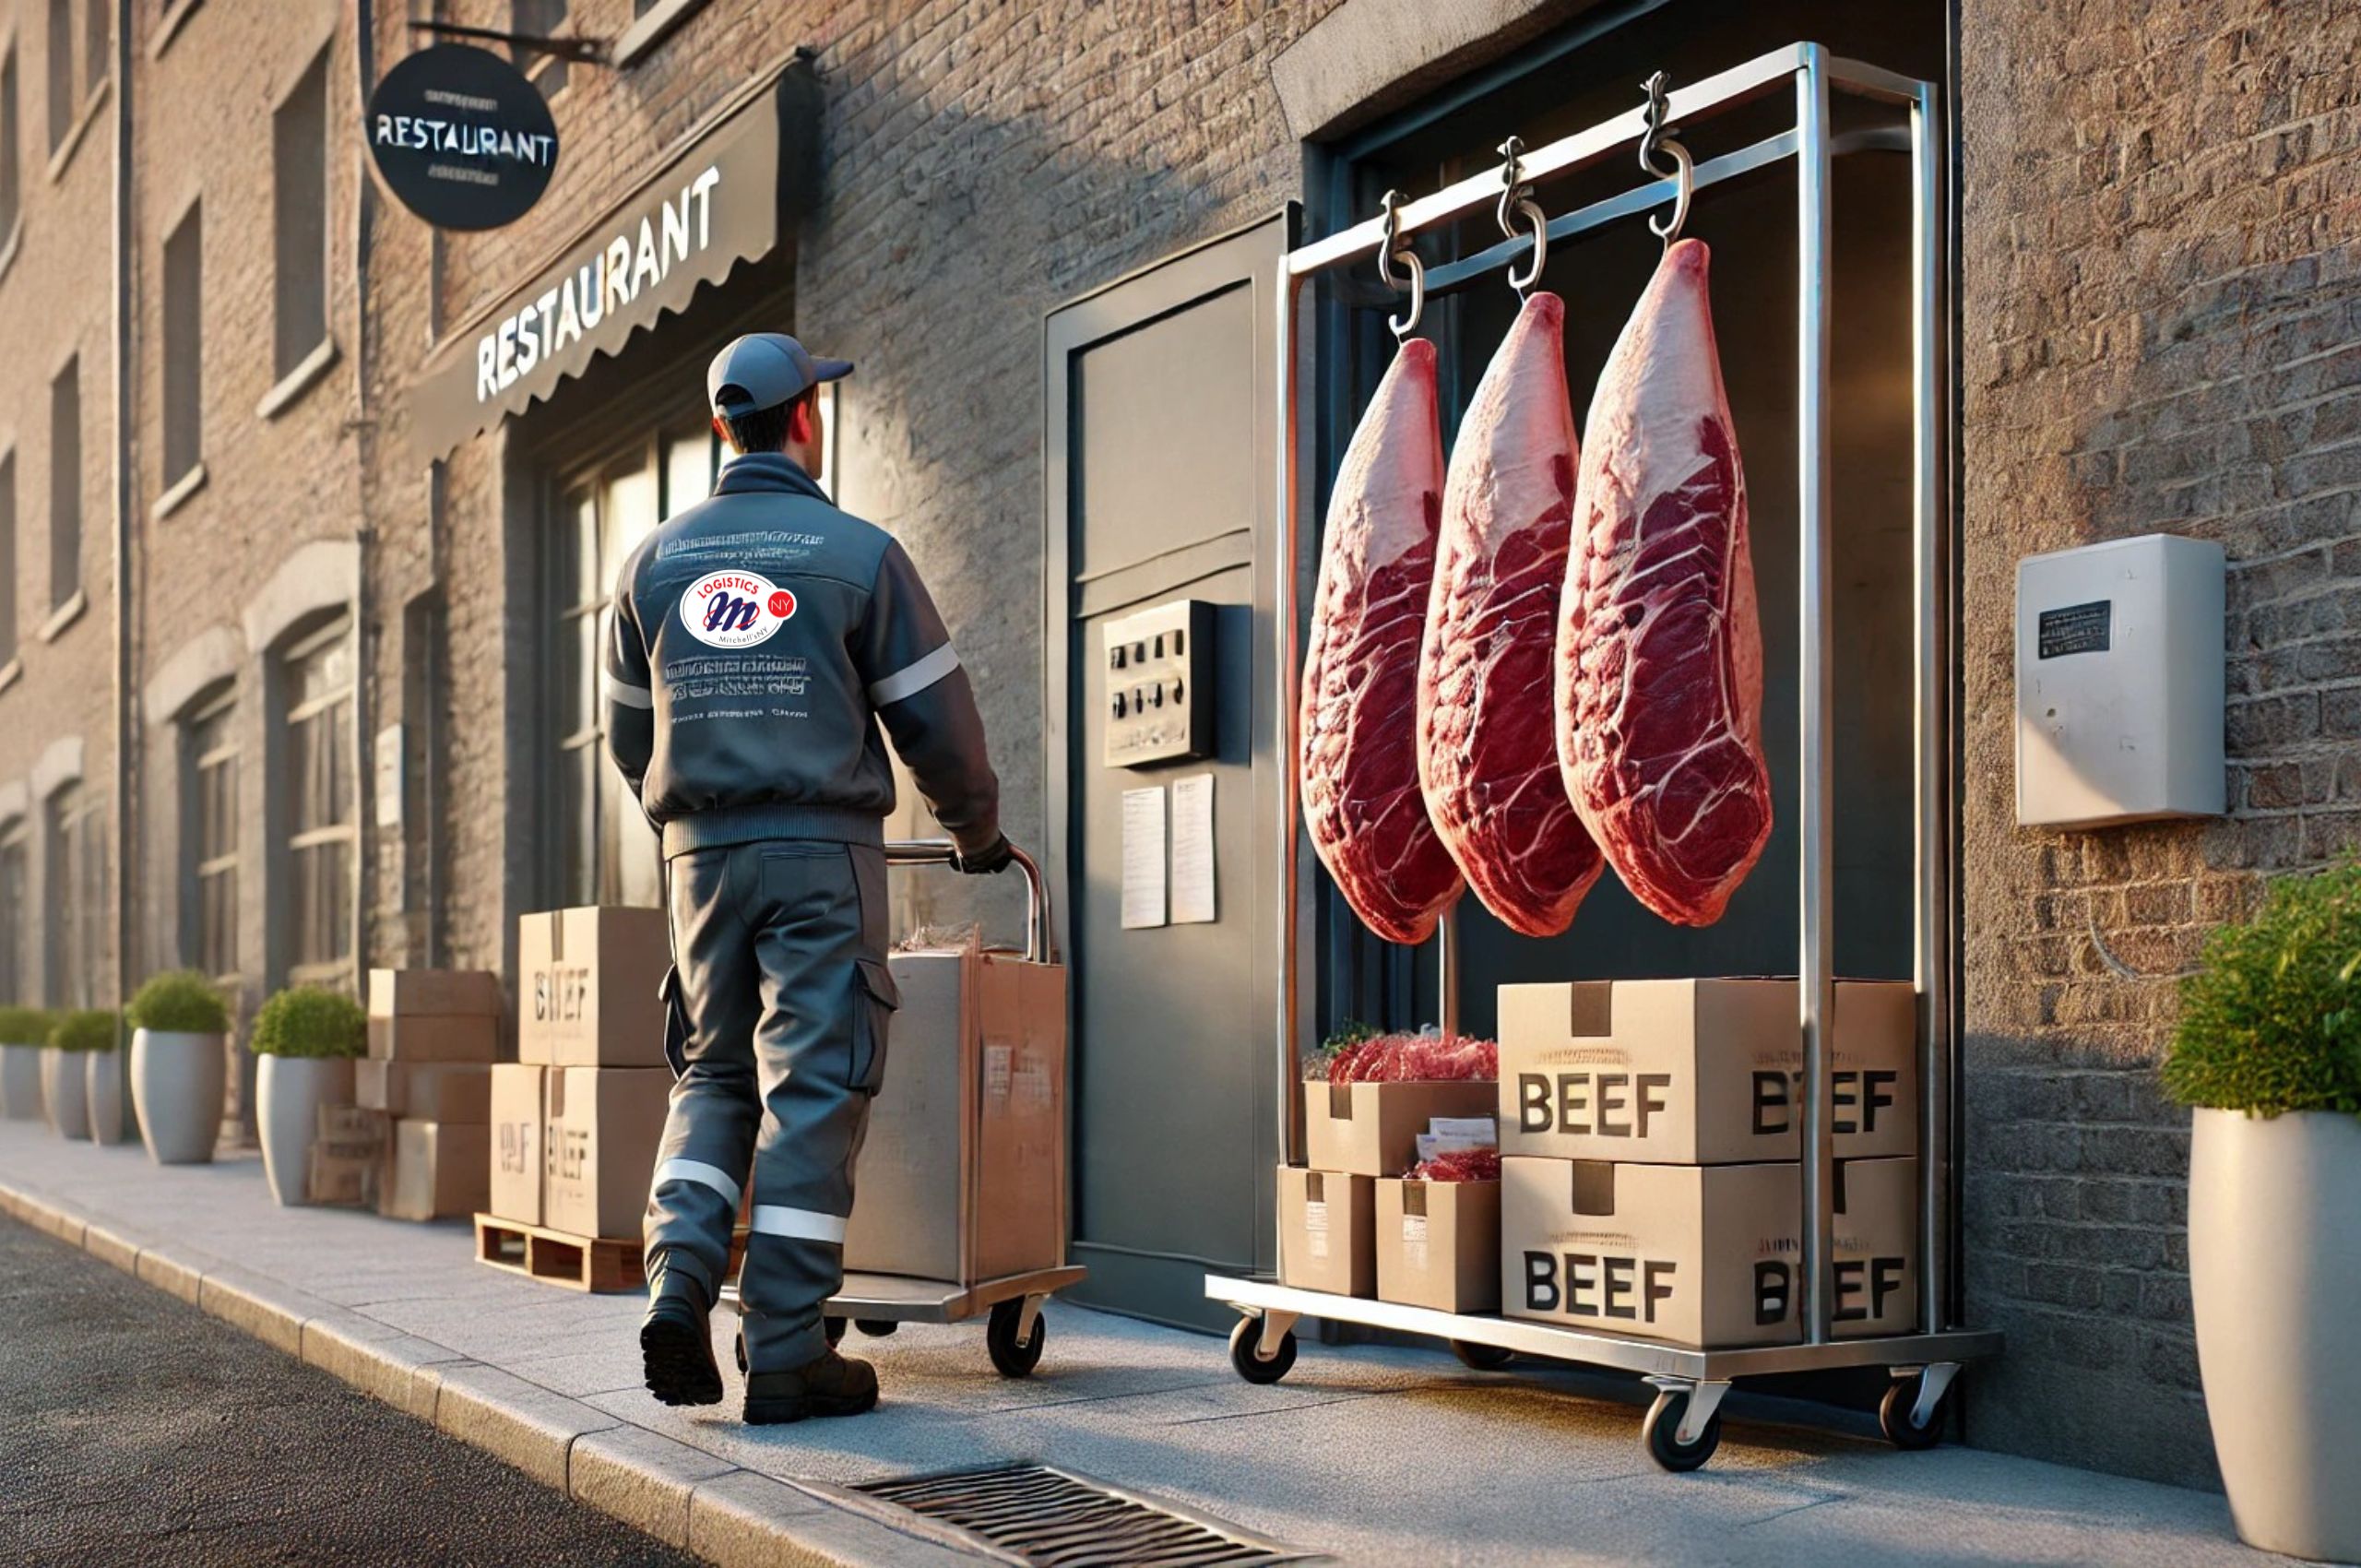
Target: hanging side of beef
{"points": [[1659, 688], [1487, 750], [1357, 758]]}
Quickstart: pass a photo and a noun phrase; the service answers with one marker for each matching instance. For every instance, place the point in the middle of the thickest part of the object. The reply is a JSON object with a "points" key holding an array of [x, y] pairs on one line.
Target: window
{"points": [[94, 59], [62, 100], [209, 837], [7, 558], [606, 853], [300, 214], [65, 484], [15, 890], [539, 18], [321, 818], [183, 348], [9, 193], [75, 863]]}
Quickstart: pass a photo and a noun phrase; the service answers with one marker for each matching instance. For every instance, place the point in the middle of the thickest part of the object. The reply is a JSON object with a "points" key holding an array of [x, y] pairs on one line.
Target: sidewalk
{"points": [[1364, 1454]]}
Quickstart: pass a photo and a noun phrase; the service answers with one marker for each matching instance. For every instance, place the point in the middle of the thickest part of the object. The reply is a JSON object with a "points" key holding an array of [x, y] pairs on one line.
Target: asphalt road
{"points": [[135, 1430]]}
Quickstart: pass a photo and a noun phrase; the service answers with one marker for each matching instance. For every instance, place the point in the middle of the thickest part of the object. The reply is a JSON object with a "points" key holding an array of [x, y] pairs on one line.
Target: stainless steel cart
{"points": [[880, 1304], [1683, 1426]]}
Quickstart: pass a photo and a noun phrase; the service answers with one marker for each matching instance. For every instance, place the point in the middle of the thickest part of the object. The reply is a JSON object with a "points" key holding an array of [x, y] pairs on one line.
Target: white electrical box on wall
{"points": [[2119, 682]]}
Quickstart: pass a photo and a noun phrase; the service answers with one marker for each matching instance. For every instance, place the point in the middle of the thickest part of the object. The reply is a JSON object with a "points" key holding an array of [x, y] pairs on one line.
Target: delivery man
{"points": [[759, 637]]}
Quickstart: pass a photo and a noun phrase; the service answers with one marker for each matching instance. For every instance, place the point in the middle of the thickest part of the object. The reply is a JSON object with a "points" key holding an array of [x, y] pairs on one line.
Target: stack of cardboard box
{"points": [[1356, 1136], [1650, 1177], [433, 1035], [574, 1121]]}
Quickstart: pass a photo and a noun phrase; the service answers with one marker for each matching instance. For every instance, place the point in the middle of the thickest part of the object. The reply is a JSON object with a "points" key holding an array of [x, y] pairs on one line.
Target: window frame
{"points": [[198, 867], [15, 846], [183, 347], [66, 481], [73, 891], [335, 710], [295, 366]]}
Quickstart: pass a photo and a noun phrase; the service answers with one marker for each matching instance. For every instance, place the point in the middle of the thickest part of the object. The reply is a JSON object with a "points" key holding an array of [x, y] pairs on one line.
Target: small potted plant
{"points": [[74, 1038], [178, 1070], [22, 1031], [2268, 1053], [307, 1038]]}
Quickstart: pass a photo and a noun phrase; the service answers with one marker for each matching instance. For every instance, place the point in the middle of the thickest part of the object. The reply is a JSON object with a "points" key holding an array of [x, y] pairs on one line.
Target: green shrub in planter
{"points": [[87, 1030], [179, 1001], [25, 1026], [2271, 1021], [309, 1021]]}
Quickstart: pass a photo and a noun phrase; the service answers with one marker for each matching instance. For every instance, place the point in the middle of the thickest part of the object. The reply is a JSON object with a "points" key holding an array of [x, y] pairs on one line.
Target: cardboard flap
{"points": [[1594, 1184]]}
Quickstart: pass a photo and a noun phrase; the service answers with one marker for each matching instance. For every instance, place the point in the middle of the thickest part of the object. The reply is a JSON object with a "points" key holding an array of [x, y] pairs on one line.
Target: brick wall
{"points": [[2162, 304]]}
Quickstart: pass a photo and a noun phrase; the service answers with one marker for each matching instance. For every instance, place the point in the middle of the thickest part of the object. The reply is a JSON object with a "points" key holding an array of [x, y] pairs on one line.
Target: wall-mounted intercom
{"points": [[2119, 682], [1160, 666]]}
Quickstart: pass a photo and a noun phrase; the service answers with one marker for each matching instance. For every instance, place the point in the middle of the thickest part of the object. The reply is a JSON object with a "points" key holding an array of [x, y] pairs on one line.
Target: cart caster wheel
{"points": [[1481, 1357], [1894, 1414], [1244, 1353], [1661, 1432], [875, 1327], [834, 1329], [1014, 1359]]}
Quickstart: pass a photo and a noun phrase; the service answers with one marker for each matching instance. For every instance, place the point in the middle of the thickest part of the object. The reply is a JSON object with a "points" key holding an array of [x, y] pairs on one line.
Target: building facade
{"points": [[339, 713]]}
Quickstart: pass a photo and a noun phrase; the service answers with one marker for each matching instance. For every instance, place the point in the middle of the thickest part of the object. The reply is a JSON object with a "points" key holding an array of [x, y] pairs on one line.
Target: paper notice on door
{"points": [[1192, 850], [1143, 857]]}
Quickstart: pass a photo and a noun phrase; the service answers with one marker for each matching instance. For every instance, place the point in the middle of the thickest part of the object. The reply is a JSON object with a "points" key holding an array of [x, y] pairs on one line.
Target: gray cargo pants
{"points": [[781, 953]]}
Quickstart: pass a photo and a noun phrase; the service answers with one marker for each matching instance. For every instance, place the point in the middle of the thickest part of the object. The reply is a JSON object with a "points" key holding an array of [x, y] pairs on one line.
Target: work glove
{"points": [[994, 856]]}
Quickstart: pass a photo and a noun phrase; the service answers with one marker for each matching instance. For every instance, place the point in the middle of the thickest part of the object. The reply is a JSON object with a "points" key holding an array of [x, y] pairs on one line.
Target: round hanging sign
{"points": [[461, 138]]}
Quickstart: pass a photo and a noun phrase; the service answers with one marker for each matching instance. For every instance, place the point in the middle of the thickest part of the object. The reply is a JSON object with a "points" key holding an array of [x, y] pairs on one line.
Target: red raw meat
{"points": [[1488, 751], [1457, 1165], [1659, 690], [1386, 1059], [1357, 756]]}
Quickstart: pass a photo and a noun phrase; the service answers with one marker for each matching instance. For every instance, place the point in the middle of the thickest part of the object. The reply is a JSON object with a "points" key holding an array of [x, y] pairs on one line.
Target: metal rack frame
{"points": [[1812, 73]]}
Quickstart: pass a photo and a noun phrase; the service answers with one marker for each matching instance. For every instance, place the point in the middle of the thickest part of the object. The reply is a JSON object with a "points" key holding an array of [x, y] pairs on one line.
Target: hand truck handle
{"points": [[1038, 947]]}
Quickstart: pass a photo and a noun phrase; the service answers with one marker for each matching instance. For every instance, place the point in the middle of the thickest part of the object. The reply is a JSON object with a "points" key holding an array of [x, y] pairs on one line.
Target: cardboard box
{"points": [[429, 1091], [433, 1168], [1372, 1129], [513, 1150], [1327, 1231], [963, 1174], [397, 993], [341, 1165], [1704, 1072], [1438, 1244], [435, 1036], [600, 1129], [587, 997], [1701, 1255]]}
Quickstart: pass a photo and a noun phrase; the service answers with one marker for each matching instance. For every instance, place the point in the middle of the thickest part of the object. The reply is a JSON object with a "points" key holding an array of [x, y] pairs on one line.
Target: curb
{"points": [[683, 1496]]}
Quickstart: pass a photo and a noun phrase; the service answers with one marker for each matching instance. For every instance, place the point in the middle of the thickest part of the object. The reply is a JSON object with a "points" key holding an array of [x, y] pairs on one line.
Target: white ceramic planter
{"points": [[20, 1096], [2274, 1266], [65, 1092], [109, 1102], [290, 1092], [177, 1082]]}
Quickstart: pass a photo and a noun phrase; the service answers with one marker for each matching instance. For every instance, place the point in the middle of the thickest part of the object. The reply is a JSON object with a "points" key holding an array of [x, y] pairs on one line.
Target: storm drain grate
{"points": [[1044, 1516]]}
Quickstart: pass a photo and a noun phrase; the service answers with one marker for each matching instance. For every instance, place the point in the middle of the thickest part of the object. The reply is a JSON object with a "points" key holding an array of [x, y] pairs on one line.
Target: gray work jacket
{"points": [[758, 638]]}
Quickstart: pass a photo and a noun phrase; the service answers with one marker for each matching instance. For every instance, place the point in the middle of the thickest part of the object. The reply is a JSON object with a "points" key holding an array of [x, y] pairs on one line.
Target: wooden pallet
{"points": [[599, 1264]]}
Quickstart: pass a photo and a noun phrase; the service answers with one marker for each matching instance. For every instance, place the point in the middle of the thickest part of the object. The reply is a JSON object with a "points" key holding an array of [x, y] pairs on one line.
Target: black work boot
{"points": [[675, 1345], [833, 1385]]}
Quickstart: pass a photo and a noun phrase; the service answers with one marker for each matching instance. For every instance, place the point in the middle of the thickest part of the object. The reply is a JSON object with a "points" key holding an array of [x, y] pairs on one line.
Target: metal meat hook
{"points": [[1392, 251], [1517, 196], [1657, 139]]}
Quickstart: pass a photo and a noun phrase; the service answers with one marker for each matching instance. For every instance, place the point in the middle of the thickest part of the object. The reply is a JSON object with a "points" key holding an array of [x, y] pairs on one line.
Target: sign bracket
{"points": [[581, 50]]}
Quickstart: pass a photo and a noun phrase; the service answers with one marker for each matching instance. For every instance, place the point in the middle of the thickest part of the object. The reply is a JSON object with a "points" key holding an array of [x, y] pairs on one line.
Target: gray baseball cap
{"points": [[762, 370]]}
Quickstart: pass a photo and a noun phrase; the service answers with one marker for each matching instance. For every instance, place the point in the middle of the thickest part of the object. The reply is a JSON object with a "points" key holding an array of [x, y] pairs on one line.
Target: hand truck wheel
{"points": [[1481, 1357], [1895, 1413], [875, 1327], [1245, 1352], [1661, 1434], [1015, 1358]]}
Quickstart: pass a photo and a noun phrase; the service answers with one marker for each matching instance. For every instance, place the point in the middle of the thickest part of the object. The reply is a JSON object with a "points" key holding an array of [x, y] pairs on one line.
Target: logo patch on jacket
{"points": [[735, 608]]}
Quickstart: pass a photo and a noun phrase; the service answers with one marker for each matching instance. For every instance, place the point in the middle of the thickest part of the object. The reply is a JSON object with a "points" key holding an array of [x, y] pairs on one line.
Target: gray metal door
{"points": [[1161, 422]]}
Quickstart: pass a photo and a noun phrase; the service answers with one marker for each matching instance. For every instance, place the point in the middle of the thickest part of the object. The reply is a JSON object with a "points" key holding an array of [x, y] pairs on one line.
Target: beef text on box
{"points": [[514, 1148], [1327, 1231], [457, 1092], [1372, 1129], [1705, 1072], [600, 1129], [1701, 1255], [1438, 1244], [587, 997]]}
